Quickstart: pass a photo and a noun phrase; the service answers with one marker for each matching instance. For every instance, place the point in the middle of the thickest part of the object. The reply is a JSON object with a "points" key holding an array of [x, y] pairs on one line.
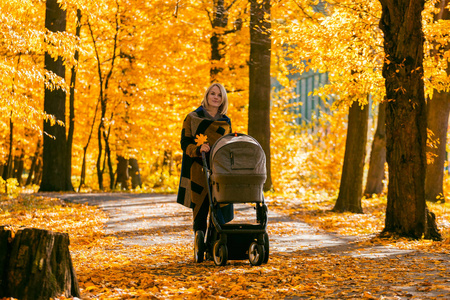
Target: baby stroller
{"points": [[237, 175]]}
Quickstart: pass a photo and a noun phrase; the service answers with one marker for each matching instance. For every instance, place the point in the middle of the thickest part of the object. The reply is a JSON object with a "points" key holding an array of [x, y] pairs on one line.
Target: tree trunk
{"points": [[219, 24], [135, 173], [170, 163], [54, 173], [38, 265], [7, 171], [83, 165], [350, 190], [100, 150], [73, 81], [259, 90], [34, 161], [437, 118], [122, 173], [376, 172], [38, 172], [18, 168], [406, 122], [438, 113], [103, 98], [83, 169], [110, 165]]}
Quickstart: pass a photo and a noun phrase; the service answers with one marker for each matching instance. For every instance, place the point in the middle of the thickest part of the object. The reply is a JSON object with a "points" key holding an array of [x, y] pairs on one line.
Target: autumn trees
{"points": [[354, 60], [55, 175], [406, 120], [259, 75], [350, 189], [105, 68], [137, 68], [125, 110], [439, 103], [23, 78], [376, 172], [219, 18]]}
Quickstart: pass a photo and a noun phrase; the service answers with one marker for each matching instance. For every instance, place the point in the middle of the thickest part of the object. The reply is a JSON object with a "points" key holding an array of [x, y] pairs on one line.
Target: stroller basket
{"points": [[238, 166]]}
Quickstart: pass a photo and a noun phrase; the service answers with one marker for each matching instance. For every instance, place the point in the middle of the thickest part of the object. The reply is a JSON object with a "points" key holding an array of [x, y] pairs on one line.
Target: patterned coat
{"points": [[192, 190]]}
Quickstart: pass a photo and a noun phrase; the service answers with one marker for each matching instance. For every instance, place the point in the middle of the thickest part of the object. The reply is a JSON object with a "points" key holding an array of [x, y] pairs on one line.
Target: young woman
{"points": [[201, 129]]}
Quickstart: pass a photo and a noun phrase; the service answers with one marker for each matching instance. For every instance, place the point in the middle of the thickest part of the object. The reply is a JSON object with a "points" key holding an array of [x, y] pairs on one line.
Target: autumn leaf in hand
{"points": [[201, 139]]}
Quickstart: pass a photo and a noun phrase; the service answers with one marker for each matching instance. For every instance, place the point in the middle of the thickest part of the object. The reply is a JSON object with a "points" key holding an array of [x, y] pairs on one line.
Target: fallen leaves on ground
{"points": [[315, 208], [107, 269]]}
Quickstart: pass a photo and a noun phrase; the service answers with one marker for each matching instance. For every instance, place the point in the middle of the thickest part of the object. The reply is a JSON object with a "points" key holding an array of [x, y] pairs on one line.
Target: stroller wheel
{"points": [[199, 246], [256, 254], [220, 254], [266, 248]]}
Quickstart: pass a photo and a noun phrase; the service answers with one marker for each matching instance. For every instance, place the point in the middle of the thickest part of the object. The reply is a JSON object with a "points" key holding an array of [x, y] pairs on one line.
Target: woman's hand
{"points": [[205, 148]]}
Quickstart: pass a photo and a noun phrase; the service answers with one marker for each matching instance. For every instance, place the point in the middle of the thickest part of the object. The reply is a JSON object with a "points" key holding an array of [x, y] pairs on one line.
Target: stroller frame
{"points": [[222, 242]]}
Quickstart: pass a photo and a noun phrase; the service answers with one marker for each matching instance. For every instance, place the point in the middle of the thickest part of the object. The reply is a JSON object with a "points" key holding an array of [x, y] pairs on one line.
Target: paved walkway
{"points": [[146, 219]]}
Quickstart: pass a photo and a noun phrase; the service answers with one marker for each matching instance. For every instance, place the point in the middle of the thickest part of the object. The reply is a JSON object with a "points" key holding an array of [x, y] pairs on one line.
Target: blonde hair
{"points": [[223, 108]]}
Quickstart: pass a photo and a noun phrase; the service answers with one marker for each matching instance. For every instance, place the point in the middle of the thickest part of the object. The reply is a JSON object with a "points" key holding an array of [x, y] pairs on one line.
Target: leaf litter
{"points": [[108, 269]]}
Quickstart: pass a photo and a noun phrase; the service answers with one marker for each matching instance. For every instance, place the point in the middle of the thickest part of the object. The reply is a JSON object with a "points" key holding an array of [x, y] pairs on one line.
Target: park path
{"points": [[148, 219], [156, 219]]}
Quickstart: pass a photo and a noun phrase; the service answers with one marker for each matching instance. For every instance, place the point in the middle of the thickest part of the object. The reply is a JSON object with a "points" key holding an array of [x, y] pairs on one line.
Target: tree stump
{"points": [[36, 264], [5, 250]]}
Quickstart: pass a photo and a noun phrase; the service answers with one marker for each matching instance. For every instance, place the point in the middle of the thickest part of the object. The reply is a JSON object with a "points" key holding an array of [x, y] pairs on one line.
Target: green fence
{"points": [[309, 105]]}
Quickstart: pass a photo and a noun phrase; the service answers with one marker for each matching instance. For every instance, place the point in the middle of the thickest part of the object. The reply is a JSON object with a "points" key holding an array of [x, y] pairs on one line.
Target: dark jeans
{"points": [[224, 215], [200, 221]]}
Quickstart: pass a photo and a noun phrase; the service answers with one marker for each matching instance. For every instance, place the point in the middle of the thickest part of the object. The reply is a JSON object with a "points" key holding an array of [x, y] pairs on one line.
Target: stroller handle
{"points": [[205, 164], [208, 186], [206, 171]]}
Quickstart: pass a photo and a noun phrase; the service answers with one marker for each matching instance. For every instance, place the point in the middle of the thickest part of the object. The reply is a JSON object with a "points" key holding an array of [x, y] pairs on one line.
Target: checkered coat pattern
{"points": [[192, 189]]}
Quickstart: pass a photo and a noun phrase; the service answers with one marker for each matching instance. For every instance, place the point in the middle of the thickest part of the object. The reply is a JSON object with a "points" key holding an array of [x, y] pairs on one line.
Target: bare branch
{"points": [[116, 36], [175, 13]]}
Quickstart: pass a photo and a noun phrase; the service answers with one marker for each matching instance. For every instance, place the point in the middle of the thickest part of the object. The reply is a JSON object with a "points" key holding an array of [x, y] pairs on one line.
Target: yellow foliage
{"points": [[306, 157], [155, 56], [9, 187]]}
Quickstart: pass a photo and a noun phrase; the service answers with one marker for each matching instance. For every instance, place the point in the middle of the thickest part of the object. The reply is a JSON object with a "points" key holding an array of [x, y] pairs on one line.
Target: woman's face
{"points": [[215, 97]]}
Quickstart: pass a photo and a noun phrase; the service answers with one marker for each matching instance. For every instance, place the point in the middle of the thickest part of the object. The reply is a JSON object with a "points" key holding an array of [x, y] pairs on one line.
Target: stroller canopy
{"points": [[238, 165], [240, 154]]}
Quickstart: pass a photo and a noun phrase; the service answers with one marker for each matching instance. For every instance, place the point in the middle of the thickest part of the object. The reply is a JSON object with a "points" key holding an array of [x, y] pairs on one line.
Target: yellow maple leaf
{"points": [[201, 139]]}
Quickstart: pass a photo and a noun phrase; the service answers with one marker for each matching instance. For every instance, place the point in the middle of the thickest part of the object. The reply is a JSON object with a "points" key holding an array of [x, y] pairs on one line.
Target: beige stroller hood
{"points": [[238, 166]]}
